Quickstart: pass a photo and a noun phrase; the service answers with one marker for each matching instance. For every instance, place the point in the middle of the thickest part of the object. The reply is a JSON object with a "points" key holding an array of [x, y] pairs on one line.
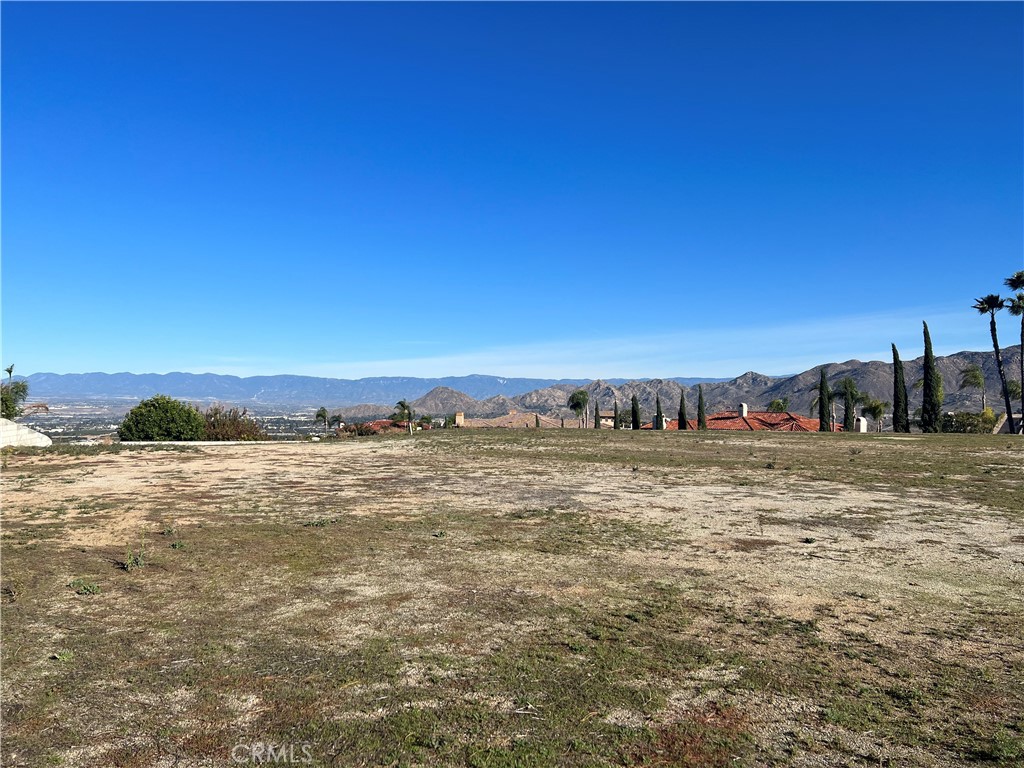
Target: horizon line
{"points": [[555, 379]]}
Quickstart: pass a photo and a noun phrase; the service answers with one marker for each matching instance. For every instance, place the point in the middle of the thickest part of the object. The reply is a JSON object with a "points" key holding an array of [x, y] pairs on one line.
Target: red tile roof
{"points": [[754, 421]]}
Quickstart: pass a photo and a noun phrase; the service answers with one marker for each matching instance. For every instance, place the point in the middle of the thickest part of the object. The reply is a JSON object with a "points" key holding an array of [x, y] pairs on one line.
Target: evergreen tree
{"points": [[900, 413], [635, 405], [659, 417], [702, 419], [824, 404], [931, 408], [682, 410], [597, 415], [616, 424], [536, 421]]}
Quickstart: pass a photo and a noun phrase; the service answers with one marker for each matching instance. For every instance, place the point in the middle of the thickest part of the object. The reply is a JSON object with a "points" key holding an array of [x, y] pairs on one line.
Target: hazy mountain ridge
{"points": [[276, 390], [281, 390], [489, 396]]}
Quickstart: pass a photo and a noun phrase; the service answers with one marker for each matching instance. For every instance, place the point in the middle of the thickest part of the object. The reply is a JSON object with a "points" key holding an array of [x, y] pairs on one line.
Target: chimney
{"points": [[743, 410]]}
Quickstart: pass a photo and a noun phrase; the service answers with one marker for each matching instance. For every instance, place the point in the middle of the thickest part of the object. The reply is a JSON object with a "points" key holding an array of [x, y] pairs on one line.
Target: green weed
{"points": [[83, 587]]}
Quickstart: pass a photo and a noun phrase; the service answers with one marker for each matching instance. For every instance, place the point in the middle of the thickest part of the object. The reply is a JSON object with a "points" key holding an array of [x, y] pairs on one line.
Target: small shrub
{"points": [[177, 545], [163, 418], [83, 587], [10, 590], [63, 655], [364, 429], [232, 424], [133, 560]]}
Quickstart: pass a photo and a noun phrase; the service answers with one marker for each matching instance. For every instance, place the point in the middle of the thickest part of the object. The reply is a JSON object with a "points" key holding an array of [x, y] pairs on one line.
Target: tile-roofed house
{"points": [[752, 421]]}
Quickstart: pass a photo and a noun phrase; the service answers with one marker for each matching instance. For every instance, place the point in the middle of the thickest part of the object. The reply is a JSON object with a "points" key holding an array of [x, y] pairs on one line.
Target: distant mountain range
{"points": [[488, 396], [756, 390], [284, 390]]}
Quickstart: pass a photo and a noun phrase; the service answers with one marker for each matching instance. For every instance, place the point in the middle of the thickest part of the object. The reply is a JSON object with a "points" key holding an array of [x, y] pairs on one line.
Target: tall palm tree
{"points": [[321, 415], [337, 420], [972, 377], [403, 411], [578, 404], [876, 410], [847, 387], [1015, 282], [9, 370], [991, 304]]}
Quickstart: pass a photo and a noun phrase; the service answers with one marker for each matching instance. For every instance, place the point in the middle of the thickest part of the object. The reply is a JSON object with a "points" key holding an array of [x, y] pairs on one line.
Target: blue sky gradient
{"points": [[563, 190]]}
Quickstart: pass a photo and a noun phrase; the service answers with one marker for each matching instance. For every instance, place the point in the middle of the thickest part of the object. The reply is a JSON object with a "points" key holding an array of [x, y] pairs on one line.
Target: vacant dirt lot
{"points": [[517, 597]]}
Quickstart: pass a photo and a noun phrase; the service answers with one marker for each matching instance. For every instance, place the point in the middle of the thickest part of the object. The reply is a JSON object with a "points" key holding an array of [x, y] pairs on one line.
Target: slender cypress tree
{"points": [[659, 417], [824, 404], [682, 410], [597, 415], [931, 408], [702, 419], [900, 414], [635, 405], [536, 421], [616, 425]]}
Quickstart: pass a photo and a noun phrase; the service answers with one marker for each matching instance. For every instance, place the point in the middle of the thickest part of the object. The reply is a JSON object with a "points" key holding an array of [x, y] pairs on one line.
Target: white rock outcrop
{"points": [[12, 434]]}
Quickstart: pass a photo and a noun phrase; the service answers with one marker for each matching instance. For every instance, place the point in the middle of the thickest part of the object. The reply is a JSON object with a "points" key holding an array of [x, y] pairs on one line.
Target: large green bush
{"points": [[12, 395], [979, 423], [163, 418]]}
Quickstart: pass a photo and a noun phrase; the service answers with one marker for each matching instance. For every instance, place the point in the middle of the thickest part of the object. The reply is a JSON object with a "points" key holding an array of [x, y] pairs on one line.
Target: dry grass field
{"points": [[517, 598]]}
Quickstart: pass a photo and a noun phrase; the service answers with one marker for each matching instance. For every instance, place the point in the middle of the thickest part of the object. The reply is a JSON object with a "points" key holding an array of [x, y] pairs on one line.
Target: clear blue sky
{"points": [[579, 190]]}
